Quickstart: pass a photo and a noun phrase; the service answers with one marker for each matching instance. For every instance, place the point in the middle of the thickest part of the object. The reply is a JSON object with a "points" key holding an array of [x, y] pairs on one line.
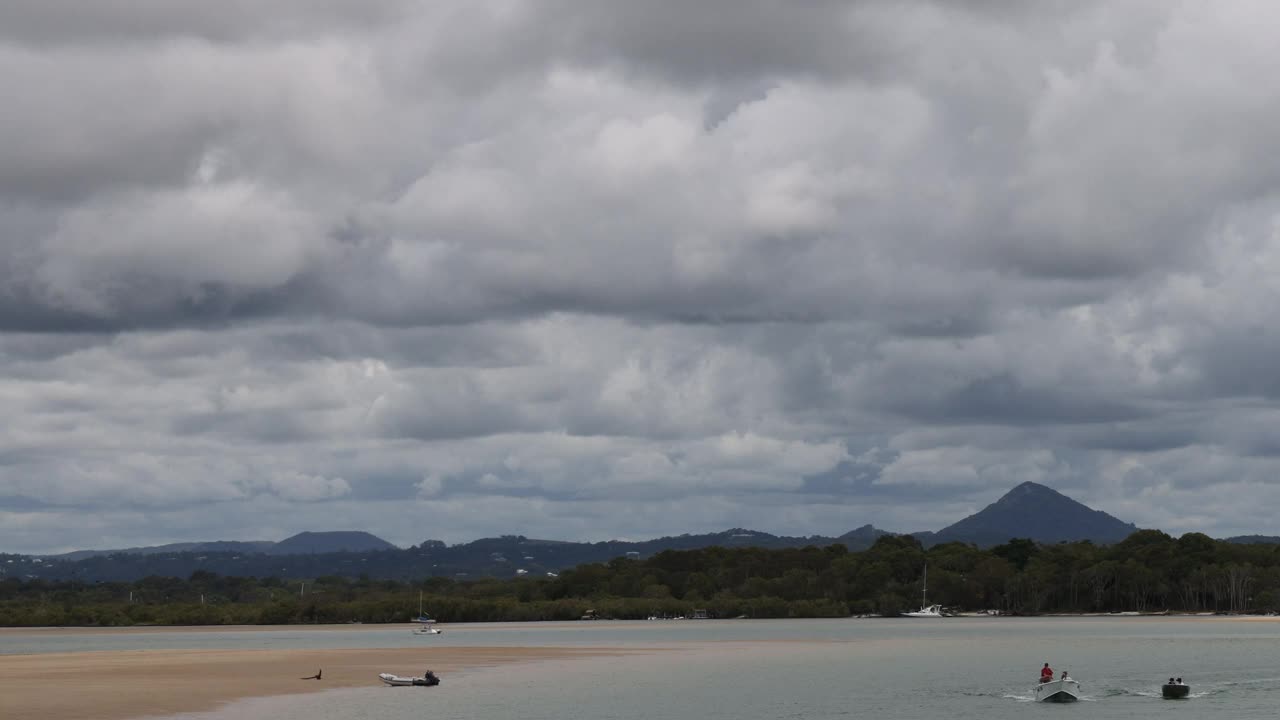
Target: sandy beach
{"points": [[139, 683]]}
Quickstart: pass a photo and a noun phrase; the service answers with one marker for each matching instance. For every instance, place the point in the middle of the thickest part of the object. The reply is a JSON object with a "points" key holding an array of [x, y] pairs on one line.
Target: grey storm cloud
{"points": [[586, 270]]}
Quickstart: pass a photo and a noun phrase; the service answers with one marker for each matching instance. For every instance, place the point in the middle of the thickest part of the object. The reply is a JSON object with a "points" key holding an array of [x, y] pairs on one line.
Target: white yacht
{"points": [[928, 611]]}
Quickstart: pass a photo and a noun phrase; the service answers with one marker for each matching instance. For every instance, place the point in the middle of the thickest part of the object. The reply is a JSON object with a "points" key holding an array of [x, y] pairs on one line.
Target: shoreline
{"points": [[10, 630], [128, 684], [470, 627], [139, 629]]}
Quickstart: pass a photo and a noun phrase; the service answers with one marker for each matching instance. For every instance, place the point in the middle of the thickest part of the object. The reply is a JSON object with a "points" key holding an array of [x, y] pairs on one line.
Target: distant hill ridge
{"points": [[1029, 510], [1254, 540], [248, 546], [301, 544]]}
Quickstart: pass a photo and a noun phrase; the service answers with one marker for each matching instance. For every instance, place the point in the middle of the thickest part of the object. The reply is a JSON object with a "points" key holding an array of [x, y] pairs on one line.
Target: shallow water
{"points": [[954, 668]]}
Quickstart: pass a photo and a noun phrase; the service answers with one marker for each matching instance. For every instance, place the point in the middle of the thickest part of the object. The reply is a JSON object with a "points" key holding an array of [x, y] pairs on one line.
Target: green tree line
{"points": [[1149, 571]]}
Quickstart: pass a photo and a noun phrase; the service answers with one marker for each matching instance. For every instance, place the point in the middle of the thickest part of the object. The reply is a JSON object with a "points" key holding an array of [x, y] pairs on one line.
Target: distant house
{"points": [[699, 614], [633, 555]]}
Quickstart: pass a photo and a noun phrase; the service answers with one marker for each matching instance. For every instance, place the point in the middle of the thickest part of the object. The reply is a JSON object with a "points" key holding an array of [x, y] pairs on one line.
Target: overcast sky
{"points": [[598, 269]]}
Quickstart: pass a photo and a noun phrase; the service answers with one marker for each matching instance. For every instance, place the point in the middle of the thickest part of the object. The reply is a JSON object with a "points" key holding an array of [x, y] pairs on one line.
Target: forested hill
{"points": [[1149, 571], [503, 557]]}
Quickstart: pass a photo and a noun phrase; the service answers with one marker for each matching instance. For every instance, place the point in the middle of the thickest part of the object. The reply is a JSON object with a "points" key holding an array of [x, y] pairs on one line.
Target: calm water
{"points": [[747, 670]]}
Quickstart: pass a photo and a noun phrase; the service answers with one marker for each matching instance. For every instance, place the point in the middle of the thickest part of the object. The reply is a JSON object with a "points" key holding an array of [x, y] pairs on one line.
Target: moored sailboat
{"points": [[926, 610], [423, 618]]}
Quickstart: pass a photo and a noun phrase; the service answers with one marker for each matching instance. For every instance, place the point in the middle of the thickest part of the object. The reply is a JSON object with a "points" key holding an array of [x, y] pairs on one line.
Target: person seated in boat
{"points": [[1065, 677], [1046, 673], [1171, 682], [1179, 682]]}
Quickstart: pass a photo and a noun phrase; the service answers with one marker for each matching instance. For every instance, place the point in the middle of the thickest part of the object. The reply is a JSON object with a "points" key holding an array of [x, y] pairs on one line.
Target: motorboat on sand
{"points": [[1065, 690], [428, 630], [430, 679]]}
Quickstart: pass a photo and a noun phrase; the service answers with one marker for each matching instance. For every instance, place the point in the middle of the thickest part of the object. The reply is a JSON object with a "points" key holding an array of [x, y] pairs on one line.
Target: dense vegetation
{"points": [[1149, 571]]}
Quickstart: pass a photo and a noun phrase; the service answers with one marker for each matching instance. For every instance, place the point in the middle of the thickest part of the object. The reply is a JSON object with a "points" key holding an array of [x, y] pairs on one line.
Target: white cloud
{"points": [[307, 488], [632, 268]]}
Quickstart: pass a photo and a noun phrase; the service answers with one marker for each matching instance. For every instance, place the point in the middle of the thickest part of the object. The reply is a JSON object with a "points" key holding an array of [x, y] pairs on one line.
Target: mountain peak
{"points": [[1035, 493], [861, 538], [1032, 510], [1029, 486], [307, 543]]}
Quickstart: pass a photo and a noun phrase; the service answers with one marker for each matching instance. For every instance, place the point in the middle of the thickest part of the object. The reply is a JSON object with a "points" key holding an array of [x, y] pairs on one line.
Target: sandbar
{"points": [[117, 685]]}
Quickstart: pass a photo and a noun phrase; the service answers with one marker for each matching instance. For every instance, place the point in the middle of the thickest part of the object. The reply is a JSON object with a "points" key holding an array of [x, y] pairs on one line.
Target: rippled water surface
{"points": [[746, 670]]}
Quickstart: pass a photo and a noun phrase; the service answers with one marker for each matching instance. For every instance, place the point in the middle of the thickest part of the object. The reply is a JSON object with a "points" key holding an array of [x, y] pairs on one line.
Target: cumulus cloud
{"points": [[301, 486], [631, 269]]}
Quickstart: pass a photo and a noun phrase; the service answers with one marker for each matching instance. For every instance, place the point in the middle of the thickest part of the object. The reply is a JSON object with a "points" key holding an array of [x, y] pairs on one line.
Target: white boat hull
{"points": [[401, 681], [1058, 691], [933, 611]]}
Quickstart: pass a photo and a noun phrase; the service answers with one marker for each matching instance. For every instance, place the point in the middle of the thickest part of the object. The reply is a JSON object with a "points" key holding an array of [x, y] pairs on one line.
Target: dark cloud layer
{"points": [[625, 269]]}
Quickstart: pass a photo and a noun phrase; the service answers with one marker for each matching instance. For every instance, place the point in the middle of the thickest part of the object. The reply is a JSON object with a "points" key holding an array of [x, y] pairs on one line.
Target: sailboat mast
{"points": [[924, 588]]}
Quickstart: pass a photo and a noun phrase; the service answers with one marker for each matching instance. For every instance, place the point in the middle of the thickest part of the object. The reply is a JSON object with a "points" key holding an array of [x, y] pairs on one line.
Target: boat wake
{"points": [[1019, 697], [1127, 692], [1247, 683], [1210, 691]]}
